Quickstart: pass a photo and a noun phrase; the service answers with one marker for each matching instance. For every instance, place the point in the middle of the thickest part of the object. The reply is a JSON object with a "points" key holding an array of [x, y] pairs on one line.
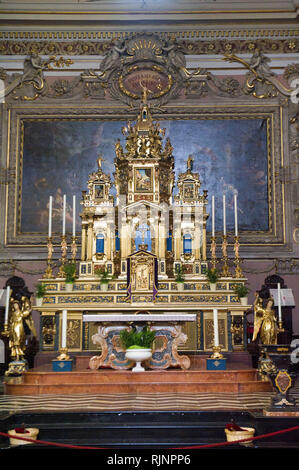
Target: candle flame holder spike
{"points": [[225, 269], [237, 260]]}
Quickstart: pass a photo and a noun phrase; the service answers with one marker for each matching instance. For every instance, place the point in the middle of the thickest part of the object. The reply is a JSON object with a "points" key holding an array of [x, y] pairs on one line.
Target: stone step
{"points": [[104, 376], [136, 388]]}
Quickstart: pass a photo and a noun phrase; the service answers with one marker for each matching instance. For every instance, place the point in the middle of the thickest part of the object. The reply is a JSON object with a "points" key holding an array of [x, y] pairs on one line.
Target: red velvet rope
{"points": [[206, 446]]}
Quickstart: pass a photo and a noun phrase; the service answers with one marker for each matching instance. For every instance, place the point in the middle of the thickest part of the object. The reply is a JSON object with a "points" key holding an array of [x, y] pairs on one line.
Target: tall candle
{"points": [[279, 302], [63, 214], [50, 215], [216, 332], [213, 216], [74, 216], [224, 216], [236, 214], [7, 305], [63, 328]]}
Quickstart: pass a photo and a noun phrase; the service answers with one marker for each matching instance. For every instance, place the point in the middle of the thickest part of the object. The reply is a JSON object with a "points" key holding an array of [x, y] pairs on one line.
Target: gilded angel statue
{"points": [[265, 323]]}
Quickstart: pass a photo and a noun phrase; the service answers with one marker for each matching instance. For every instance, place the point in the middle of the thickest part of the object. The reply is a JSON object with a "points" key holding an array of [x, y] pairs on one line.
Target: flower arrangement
{"points": [[137, 340], [241, 290], [212, 275], [179, 273], [40, 290], [69, 270], [104, 275]]}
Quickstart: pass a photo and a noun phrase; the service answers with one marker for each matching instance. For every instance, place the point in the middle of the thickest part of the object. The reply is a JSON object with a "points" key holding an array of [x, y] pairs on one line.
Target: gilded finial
{"points": [[100, 160]]}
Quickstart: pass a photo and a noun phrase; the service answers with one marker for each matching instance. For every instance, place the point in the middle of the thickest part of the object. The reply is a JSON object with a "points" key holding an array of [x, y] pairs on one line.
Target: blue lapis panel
{"points": [[216, 364], [62, 366]]}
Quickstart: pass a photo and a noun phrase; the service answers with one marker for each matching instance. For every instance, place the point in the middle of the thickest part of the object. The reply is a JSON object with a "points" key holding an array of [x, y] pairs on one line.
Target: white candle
{"points": [[279, 302], [74, 216], [63, 328], [216, 332], [236, 215], [50, 215], [213, 216], [224, 216], [7, 305], [63, 214]]}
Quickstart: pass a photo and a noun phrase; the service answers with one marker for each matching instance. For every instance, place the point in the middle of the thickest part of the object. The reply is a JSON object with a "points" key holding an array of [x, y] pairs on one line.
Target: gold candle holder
{"points": [[49, 272], [237, 260], [63, 256], [216, 353], [5, 331], [74, 248], [63, 354], [225, 269], [280, 327], [213, 252]]}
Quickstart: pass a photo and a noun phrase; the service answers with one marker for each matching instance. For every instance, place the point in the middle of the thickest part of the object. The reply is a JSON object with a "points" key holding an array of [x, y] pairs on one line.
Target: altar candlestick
{"points": [[74, 216], [50, 215], [63, 328], [236, 215], [63, 214], [279, 302], [7, 305], [224, 216], [216, 332], [213, 216]]}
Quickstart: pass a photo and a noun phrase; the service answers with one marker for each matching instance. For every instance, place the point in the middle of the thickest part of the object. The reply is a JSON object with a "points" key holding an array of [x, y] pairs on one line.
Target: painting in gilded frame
{"points": [[188, 190], [58, 155], [143, 178]]}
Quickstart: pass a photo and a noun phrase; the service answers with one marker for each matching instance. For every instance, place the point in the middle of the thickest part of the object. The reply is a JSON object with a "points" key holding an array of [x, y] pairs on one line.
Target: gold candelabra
{"points": [[49, 272], [225, 269], [237, 261], [74, 248], [216, 353], [63, 354], [63, 256], [213, 252], [280, 327]]}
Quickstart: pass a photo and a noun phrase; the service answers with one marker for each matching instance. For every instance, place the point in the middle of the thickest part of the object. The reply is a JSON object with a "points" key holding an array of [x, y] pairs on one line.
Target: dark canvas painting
{"points": [[230, 155]]}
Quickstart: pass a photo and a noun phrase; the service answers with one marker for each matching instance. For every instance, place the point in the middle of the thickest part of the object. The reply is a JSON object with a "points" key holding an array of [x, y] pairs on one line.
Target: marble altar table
{"points": [[168, 337]]}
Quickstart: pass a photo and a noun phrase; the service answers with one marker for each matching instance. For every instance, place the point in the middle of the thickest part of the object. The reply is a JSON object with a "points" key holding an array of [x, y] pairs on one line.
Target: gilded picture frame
{"points": [[143, 180], [253, 241]]}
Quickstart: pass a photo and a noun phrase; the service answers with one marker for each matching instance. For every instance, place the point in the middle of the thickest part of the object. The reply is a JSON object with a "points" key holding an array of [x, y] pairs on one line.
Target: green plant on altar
{"points": [[212, 275], [137, 340], [40, 290], [104, 275], [241, 290], [69, 270], [179, 273]]}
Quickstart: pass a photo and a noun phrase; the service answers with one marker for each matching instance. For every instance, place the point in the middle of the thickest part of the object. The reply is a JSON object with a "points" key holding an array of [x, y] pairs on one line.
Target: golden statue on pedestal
{"points": [[265, 322], [19, 313]]}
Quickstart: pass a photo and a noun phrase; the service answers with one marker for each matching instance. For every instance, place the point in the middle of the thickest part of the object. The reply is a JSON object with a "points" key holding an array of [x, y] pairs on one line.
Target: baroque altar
{"points": [[141, 238]]}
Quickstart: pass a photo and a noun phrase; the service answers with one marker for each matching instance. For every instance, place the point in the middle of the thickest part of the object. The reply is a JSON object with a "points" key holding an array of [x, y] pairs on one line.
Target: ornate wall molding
{"points": [[193, 46], [107, 93]]}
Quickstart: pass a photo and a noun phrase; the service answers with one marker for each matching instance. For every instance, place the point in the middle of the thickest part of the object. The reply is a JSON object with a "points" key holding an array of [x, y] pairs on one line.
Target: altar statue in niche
{"points": [[265, 323]]}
